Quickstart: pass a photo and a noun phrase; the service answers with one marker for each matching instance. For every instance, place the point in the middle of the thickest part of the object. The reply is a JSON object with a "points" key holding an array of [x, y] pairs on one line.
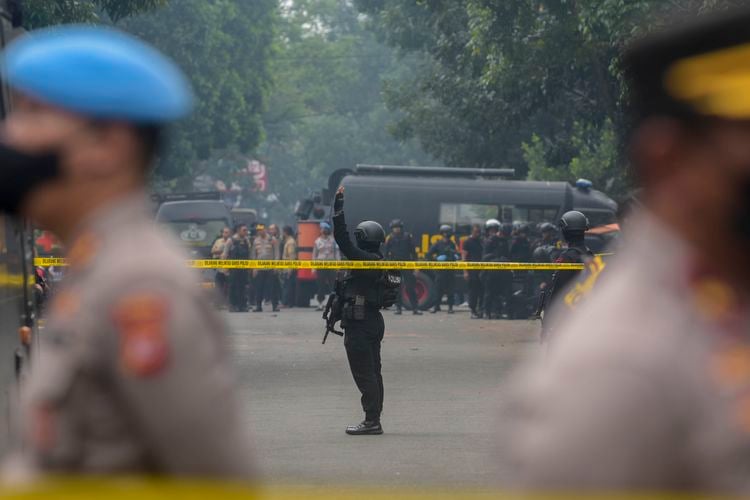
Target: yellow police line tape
{"points": [[127, 488], [348, 264]]}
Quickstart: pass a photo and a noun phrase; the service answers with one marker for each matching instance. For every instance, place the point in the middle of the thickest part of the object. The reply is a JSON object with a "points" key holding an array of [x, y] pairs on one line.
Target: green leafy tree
{"points": [[224, 47], [326, 109], [529, 84], [40, 13]]}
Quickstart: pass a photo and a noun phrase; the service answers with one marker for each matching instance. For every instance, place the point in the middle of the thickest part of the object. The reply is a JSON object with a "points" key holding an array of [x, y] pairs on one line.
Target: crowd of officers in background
{"points": [[241, 288], [489, 294]]}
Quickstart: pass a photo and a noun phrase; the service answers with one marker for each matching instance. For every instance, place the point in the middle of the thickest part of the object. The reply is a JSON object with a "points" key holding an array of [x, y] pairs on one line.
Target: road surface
{"points": [[443, 379]]}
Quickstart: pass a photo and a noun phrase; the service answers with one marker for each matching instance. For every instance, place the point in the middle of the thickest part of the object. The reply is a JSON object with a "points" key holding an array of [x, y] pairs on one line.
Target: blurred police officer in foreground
{"points": [[132, 374], [401, 246], [362, 321], [647, 385], [444, 250]]}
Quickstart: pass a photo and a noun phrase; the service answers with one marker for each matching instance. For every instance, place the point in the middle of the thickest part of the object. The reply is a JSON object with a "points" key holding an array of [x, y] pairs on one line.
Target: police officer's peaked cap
{"points": [[701, 68], [98, 72]]}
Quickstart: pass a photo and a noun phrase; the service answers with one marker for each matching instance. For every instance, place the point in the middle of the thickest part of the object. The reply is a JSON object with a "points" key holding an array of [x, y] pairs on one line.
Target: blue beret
{"points": [[98, 72]]}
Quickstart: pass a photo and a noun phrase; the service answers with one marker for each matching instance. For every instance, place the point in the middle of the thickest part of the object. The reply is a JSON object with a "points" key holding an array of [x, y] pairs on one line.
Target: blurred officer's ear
{"points": [[150, 138], [658, 148]]}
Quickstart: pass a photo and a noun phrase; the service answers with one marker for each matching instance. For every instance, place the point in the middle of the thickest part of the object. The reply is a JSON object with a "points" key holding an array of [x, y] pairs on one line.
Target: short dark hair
{"points": [[150, 137], [239, 226], [288, 230]]}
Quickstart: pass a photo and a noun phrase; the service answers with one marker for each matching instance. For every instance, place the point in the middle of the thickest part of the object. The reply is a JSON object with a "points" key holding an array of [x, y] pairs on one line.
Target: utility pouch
{"points": [[358, 308]]}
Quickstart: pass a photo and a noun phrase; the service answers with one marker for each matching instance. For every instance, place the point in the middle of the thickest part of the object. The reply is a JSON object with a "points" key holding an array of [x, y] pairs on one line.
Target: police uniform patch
{"points": [[731, 367], [141, 322], [714, 298]]}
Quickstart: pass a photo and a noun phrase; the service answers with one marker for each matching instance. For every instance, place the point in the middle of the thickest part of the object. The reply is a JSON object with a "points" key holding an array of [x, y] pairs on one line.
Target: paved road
{"points": [[443, 377]]}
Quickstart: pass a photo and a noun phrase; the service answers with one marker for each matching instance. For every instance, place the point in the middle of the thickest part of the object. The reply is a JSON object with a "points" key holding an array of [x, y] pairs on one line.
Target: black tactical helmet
{"points": [[445, 228], [397, 223], [369, 233], [541, 254], [573, 223], [546, 227]]}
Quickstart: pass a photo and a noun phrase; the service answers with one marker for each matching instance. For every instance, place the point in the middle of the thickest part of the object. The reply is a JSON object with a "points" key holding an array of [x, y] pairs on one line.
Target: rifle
{"points": [[541, 302], [331, 315]]}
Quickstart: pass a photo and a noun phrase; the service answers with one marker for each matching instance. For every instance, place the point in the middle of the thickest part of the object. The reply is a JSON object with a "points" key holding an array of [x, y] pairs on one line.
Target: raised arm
{"points": [[341, 234]]}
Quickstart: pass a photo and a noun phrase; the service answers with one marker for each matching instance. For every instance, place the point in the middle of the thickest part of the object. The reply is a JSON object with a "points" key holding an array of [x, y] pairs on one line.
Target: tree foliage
{"points": [[529, 84], [326, 109], [224, 47], [40, 13]]}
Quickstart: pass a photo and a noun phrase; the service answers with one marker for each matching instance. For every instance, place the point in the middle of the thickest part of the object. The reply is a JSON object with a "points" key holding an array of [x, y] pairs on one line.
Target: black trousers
{"points": [[497, 288], [238, 279], [265, 283], [326, 282], [362, 341], [409, 283], [446, 283], [290, 289], [221, 287], [474, 284]]}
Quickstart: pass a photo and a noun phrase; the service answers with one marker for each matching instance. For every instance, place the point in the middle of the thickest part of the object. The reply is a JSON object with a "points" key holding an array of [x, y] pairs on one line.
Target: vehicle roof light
{"points": [[584, 184]]}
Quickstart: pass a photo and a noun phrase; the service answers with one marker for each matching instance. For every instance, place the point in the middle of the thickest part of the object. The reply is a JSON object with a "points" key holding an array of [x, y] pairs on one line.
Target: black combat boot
{"points": [[365, 428], [450, 310], [398, 311], [416, 311]]}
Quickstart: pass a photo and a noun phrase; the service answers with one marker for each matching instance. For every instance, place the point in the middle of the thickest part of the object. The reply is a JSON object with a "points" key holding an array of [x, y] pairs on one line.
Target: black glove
{"points": [[338, 203]]}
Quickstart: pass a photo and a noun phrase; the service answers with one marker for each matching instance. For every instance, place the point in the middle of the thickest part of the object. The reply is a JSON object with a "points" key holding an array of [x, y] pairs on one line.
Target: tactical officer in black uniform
{"points": [[444, 250], [495, 250], [549, 236], [520, 246], [362, 322], [238, 248], [520, 251], [573, 226], [401, 246], [472, 252]]}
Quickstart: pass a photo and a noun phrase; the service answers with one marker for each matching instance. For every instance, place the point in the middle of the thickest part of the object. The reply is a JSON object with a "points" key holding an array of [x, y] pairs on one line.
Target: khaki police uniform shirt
{"points": [[290, 249], [218, 251], [646, 386], [265, 248], [132, 374]]}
